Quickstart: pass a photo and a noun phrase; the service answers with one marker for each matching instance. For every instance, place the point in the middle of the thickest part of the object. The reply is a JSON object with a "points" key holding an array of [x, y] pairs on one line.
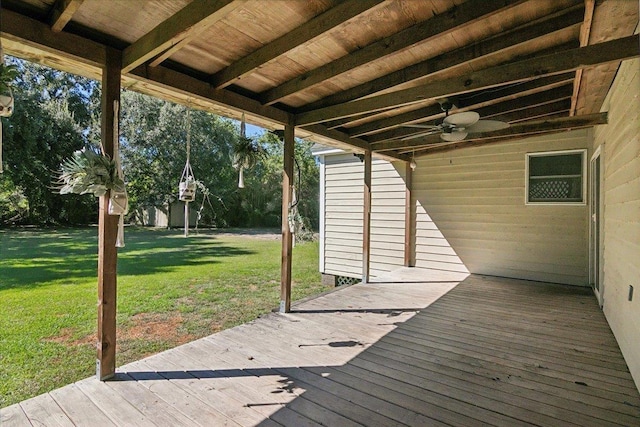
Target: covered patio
{"points": [[417, 349], [420, 347]]}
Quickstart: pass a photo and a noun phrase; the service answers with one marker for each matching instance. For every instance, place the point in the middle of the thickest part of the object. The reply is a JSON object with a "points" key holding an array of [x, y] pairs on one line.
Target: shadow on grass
{"points": [[36, 257]]}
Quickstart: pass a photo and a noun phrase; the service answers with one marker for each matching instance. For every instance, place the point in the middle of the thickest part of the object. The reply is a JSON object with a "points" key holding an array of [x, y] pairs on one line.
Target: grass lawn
{"points": [[170, 290]]}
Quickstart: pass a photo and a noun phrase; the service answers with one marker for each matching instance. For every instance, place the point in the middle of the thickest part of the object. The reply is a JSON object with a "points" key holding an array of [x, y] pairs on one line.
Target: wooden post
{"points": [[407, 215], [107, 228], [287, 187], [366, 222]]}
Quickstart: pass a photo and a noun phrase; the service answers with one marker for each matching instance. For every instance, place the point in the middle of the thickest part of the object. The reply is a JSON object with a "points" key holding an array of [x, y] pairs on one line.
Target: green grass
{"points": [[170, 290]]}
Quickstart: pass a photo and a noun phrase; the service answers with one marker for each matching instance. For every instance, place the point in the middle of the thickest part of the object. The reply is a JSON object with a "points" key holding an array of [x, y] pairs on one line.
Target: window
{"points": [[556, 177]]}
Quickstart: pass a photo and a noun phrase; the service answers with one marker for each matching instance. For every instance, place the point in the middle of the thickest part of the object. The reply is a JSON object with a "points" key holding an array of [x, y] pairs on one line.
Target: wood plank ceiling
{"points": [[353, 72]]}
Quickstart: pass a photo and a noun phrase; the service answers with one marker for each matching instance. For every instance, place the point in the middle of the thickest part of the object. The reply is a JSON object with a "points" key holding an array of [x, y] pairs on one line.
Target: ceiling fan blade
{"points": [[462, 119], [487, 126], [454, 136]]}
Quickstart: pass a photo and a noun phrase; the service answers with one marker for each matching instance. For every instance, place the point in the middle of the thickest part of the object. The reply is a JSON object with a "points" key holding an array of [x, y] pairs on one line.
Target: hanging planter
{"points": [[246, 154], [187, 187], [87, 172], [7, 74]]}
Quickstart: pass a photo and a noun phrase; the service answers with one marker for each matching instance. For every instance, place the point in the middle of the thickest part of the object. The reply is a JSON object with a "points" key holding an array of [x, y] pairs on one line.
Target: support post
{"points": [[407, 215], [107, 228], [366, 223], [287, 241]]}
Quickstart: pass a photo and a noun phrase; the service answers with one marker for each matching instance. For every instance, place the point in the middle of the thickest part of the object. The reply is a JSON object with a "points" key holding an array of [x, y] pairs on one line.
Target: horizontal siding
{"points": [[469, 209], [620, 148], [344, 183]]}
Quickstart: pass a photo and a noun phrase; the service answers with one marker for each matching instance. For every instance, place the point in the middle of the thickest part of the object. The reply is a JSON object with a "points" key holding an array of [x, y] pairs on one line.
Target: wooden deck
{"points": [[489, 352]]}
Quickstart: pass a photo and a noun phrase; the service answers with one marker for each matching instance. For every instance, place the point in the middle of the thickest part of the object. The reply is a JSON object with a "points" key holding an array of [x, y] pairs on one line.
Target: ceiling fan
{"points": [[457, 126]]}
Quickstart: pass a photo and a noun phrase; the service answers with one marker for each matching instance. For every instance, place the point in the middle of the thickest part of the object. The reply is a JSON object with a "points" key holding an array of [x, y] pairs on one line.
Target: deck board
{"points": [[420, 351]]}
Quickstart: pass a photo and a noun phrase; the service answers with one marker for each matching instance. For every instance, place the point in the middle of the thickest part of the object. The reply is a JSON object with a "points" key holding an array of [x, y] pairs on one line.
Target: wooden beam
{"points": [[520, 130], [585, 30], [525, 108], [356, 144], [108, 227], [188, 22], [475, 101], [62, 12], [306, 32], [528, 69], [455, 18], [287, 240], [21, 30], [534, 112], [408, 224], [438, 65], [366, 221], [193, 87]]}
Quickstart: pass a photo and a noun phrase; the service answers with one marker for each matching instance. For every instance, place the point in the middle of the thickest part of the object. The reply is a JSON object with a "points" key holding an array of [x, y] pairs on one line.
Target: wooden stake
{"points": [[107, 228], [287, 185], [366, 222], [407, 215]]}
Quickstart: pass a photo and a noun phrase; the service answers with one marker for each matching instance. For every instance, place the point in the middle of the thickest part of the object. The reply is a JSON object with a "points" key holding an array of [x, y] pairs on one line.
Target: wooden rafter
{"points": [[546, 95], [194, 87], [37, 35], [585, 30], [465, 55], [311, 29], [519, 130], [462, 15], [187, 23], [480, 100], [62, 12], [611, 51], [358, 144]]}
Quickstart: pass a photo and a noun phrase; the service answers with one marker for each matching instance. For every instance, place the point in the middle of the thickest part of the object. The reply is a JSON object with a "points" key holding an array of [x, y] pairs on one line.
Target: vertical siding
{"points": [[620, 141], [470, 214], [343, 199]]}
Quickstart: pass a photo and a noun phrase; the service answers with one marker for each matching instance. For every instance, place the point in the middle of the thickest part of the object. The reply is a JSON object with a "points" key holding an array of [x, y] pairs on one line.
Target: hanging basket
{"points": [[187, 190], [6, 104]]}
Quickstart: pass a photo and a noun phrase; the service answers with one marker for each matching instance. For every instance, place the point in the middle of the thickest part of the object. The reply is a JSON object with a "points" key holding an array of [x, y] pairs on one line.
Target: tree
{"points": [[58, 113], [49, 123], [153, 135]]}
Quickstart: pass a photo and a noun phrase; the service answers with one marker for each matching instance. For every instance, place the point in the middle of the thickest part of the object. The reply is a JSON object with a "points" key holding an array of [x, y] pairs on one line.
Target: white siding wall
{"points": [[470, 214], [620, 141], [388, 191], [343, 209]]}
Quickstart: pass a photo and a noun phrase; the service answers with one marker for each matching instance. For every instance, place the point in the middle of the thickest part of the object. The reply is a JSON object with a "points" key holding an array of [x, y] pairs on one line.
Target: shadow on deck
{"points": [[488, 351]]}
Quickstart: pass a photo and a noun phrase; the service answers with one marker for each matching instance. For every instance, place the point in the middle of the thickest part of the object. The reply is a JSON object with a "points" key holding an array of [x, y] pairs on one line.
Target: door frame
{"points": [[596, 209]]}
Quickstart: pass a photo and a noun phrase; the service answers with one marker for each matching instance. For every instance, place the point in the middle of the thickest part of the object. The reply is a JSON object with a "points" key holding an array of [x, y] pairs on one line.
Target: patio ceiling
{"points": [[350, 73]]}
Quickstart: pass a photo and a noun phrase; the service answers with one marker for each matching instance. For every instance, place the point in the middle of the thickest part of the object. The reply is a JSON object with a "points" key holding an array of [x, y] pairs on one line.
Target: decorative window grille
{"points": [[556, 177]]}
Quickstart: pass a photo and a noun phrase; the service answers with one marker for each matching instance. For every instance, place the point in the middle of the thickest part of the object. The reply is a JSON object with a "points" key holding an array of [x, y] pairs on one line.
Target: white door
{"points": [[595, 229]]}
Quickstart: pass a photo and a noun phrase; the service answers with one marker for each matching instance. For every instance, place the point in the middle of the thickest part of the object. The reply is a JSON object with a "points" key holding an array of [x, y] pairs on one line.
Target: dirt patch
{"points": [[154, 326], [65, 337]]}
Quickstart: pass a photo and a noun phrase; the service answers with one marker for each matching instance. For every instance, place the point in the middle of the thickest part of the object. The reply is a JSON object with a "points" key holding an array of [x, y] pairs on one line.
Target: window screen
{"points": [[556, 177]]}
